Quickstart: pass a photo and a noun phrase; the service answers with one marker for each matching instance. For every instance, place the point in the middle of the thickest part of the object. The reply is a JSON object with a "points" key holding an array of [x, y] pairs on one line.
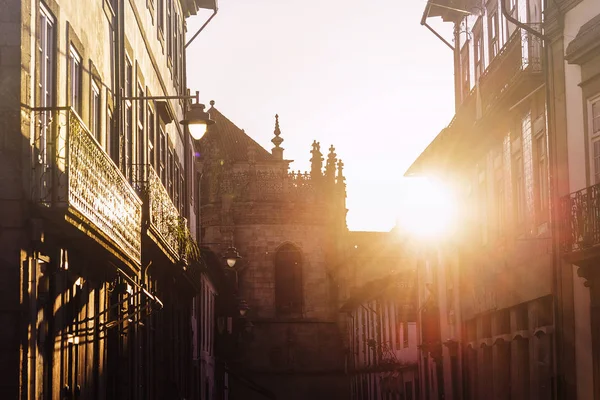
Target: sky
{"points": [[364, 76]]}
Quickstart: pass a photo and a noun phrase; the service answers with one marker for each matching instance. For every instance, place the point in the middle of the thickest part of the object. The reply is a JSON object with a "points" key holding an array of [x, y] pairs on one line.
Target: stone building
{"points": [[97, 264], [497, 273], [289, 227]]}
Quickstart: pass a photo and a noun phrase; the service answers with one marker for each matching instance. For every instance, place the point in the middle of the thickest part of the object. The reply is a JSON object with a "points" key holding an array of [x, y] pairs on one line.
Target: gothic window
{"points": [[288, 280]]}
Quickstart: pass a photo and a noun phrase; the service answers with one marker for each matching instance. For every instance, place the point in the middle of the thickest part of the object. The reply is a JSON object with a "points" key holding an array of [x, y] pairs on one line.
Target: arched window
{"points": [[288, 280]]}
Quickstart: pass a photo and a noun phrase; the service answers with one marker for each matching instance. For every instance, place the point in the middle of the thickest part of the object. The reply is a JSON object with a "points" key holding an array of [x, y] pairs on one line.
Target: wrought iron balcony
{"points": [[516, 68], [166, 226], [581, 223], [73, 175]]}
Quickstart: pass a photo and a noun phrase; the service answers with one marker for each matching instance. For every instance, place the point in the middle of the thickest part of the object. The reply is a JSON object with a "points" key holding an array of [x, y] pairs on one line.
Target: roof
{"points": [[232, 142], [587, 39], [191, 7], [448, 10]]}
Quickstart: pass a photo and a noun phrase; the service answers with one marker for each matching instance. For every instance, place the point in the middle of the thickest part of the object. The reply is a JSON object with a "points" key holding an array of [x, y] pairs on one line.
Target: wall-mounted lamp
{"points": [[243, 307], [197, 120], [231, 255]]}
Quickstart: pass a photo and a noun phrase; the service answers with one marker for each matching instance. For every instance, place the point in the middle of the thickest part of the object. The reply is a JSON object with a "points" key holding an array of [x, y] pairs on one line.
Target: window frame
{"points": [[294, 291], [46, 75], [95, 110], [594, 138], [465, 70], [493, 27], [128, 119], [478, 50], [75, 79], [141, 125]]}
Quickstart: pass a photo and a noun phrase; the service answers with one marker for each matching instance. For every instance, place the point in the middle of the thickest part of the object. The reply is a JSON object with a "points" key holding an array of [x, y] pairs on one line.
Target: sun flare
{"points": [[427, 209]]}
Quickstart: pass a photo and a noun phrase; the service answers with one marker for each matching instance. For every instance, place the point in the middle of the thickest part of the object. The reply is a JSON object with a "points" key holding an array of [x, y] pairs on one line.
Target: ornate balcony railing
{"points": [[521, 54], [581, 220], [169, 227], [72, 173]]}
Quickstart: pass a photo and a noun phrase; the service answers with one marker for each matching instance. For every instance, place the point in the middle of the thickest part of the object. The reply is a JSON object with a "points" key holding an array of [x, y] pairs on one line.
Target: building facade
{"points": [[380, 315], [487, 306], [573, 38], [287, 227], [98, 265]]}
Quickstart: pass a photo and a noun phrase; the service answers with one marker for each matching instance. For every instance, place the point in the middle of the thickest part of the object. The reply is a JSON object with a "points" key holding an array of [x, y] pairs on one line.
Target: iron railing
{"points": [[521, 54], [581, 219], [163, 215], [71, 171]]}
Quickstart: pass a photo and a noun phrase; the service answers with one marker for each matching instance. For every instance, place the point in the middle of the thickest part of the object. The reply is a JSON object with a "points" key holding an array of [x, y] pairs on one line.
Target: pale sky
{"points": [[364, 76]]}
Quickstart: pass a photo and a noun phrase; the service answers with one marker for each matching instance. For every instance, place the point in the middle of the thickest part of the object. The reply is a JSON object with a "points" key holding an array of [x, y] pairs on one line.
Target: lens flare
{"points": [[427, 209]]}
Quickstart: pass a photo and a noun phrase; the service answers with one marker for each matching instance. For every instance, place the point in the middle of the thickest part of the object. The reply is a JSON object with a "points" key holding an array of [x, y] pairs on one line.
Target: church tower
{"points": [[286, 226]]}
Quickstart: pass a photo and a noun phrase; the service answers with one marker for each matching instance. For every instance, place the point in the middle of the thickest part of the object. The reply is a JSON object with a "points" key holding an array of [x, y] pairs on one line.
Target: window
{"points": [[176, 184], [95, 111], [176, 49], [160, 16], [595, 108], [493, 32], [170, 172], [47, 57], [500, 205], [519, 188], [398, 317], [162, 156], [181, 194], [128, 139], [464, 71], [594, 111], [478, 50], [405, 333], [169, 32], [140, 126], [542, 178], [288, 280], [112, 139], [483, 211], [75, 80], [151, 139]]}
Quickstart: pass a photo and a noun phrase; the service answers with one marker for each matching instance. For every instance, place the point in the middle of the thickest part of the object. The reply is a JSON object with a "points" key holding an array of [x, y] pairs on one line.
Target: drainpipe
{"points": [[557, 386]]}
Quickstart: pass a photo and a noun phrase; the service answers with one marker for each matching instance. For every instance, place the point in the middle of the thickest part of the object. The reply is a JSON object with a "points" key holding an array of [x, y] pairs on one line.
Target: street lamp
{"points": [[243, 307], [197, 120], [231, 255]]}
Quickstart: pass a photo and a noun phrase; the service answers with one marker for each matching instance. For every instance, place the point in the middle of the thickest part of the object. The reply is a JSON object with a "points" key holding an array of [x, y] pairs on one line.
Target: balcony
{"points": [[580, 236], [75, 180], [166, 227], [513, 73]]}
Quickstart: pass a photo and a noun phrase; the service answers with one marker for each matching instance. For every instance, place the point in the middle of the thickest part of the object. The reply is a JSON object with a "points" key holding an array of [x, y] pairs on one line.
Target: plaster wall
{"points": [[579, 178]]}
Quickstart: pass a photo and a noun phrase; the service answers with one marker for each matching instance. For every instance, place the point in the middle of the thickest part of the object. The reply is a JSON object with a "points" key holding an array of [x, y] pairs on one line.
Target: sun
{"points": [[427, 209]]}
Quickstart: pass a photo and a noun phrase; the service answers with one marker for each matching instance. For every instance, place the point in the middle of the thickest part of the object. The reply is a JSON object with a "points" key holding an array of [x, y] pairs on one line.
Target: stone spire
{"points": [[340, 172], [330, 167], [316, 162], [277, 151]]}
